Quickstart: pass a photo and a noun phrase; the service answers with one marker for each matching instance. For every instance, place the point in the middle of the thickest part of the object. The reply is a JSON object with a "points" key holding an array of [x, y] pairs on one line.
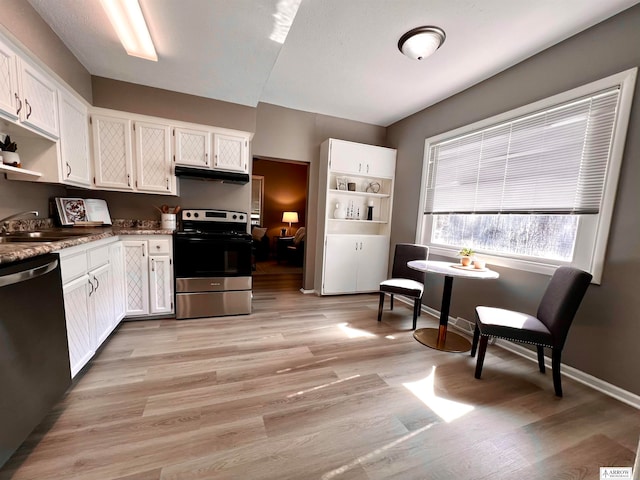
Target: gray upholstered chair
{"points": [[405, 280], [548, 328]]}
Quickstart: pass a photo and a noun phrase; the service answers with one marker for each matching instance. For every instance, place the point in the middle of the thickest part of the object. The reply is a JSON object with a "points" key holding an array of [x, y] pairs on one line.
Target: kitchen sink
{"points": [[29, 239], [39, 236]]}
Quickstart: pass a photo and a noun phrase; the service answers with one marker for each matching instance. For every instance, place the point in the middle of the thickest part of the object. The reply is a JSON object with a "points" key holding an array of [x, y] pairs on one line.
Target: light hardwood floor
{"points": [[314, 388]]}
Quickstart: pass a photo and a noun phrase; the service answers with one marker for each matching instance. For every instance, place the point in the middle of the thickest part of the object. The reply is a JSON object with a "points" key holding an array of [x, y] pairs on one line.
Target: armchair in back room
{"points": [[260, 242], [295, 251]]}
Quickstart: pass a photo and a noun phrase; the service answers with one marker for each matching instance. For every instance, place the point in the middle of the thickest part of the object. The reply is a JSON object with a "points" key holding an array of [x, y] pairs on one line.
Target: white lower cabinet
{"points": [[101, 303], [105, 280], [136, 275], [76, 305], [148, 275], [354, 263], [89, 300], [116, 259], [160, 283]]}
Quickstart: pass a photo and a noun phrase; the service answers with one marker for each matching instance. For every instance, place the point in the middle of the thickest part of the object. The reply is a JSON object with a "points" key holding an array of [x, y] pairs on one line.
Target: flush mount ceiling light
{"points": [[128, 22], [421, 42]]}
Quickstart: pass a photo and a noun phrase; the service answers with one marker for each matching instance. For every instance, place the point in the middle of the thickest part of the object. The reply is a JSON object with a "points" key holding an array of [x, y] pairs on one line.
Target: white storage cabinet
{"points": [[353, 253], [358, 263]]}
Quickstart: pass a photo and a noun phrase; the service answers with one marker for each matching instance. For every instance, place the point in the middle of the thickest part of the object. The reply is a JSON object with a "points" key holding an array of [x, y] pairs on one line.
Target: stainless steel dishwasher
{"points": [[34, 355]]}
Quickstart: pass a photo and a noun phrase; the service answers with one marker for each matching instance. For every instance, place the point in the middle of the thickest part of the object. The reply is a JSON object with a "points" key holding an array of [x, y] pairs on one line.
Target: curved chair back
{"points": [[561, 300], [404, 253]]}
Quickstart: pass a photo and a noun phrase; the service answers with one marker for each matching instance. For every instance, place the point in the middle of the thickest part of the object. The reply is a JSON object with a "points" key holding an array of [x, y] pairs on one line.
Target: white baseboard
{"points": [[307, 292], [467, 327]]}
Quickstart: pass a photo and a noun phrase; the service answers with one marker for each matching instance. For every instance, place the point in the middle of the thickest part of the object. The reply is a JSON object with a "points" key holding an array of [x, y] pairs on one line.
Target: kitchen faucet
{"points": [[4, 221]]}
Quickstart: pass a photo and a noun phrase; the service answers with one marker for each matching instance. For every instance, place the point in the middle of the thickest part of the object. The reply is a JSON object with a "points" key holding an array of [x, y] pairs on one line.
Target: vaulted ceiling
{"points": [[340, 57]]}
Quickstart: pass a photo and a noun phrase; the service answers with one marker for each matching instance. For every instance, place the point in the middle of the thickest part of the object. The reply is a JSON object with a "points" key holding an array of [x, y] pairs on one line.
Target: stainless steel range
{"points": [[212, 261]]}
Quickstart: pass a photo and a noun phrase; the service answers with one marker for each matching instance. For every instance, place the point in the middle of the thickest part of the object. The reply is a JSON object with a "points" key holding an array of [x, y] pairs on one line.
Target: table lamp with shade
{"points": [[289, 217]]}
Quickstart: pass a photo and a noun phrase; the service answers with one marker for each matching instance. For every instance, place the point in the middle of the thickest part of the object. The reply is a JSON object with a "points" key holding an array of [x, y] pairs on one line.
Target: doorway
{"points": [[283, 195]]}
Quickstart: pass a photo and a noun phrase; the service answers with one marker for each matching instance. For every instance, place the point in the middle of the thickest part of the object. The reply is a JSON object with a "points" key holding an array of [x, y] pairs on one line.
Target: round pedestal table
{"points": [[439, 338]]}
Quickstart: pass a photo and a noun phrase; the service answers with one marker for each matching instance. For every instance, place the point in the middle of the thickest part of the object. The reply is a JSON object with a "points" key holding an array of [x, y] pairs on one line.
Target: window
{"points": [[534, 186]]}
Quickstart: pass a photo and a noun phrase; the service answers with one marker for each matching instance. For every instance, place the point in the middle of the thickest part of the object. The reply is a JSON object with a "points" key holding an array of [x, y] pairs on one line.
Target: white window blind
{"points": [[550, 161]]}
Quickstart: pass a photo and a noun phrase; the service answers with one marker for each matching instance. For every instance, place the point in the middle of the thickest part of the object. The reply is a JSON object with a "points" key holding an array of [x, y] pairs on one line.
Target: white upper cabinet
{"points": [[38, 100], [363, 160], [116, 149], [112, 152], [75, 161], [153, 157], [8, 83], [27, 96], [192, 147], [231, 153]]}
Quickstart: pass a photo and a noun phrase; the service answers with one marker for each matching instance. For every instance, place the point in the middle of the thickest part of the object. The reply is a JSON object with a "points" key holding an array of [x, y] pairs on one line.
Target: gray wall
{"points": [[294, 135], [157, 102], [604, 337]]}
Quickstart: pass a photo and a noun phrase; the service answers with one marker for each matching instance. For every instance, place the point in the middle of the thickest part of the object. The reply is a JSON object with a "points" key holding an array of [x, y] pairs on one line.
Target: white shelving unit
{"points": [[353, 252], [19, 173]]}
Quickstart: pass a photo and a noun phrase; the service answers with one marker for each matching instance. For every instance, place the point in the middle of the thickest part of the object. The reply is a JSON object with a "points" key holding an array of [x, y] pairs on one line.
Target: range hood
{"points": [[212, 175]]}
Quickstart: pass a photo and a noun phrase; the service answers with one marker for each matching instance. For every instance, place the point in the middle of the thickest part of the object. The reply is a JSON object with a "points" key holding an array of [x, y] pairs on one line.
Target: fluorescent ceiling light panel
{"points": [[128, 21], [283, 19]]}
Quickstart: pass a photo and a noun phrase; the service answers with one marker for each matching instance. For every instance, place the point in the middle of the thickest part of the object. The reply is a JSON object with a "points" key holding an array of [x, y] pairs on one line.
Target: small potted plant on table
{"points": [[465, 256]]}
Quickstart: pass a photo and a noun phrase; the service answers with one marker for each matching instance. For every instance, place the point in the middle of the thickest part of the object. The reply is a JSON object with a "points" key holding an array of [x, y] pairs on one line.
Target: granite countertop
{"points": [[11, 252]]}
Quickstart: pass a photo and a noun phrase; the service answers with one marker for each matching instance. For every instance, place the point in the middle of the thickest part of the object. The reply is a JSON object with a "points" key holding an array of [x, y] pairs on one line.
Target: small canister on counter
{"points": [[168, 221]]}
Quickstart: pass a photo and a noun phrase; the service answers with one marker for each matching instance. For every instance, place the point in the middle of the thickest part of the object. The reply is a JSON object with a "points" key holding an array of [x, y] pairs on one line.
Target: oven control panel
{"points": [[201, 215]]}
